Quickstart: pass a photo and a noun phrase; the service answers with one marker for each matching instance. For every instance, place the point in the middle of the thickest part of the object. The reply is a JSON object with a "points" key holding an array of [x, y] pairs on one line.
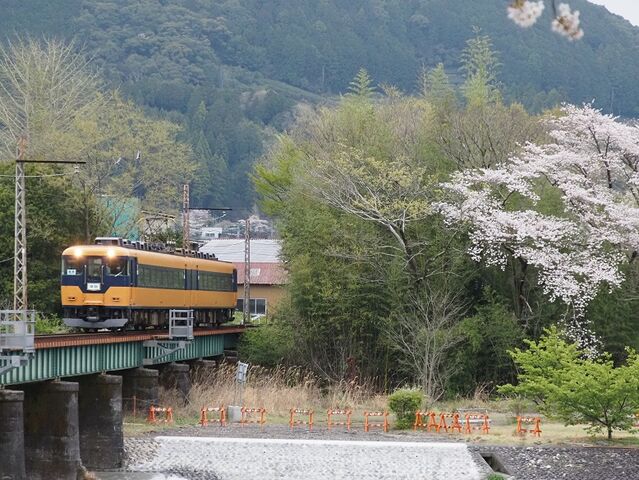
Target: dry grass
{"points": [[277, 390], [283, 388]]}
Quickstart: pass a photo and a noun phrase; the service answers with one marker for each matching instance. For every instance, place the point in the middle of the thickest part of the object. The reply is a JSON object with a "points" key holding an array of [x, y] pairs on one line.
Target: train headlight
{"points": [[110, 253], [78, 252]]}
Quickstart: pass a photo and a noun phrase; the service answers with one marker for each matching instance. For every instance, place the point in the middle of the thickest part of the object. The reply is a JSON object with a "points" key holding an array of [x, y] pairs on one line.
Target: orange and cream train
{"points": [[117, 284]]}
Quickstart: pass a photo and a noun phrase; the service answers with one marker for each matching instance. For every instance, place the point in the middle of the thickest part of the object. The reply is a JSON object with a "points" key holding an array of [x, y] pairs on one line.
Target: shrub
{"points": [[404, 403], [569, 385], [49, 325], [267, 345]]}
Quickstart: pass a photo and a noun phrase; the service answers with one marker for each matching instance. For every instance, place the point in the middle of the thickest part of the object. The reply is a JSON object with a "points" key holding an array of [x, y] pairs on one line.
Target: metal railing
{"points": [[17, 330], [180, 337], [181, 324]]}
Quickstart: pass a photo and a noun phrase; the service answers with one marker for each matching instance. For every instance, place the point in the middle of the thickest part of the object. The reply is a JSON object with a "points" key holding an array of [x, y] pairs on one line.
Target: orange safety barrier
{"points": [[536, 421], [248, 418], [368, 424], [295, 411], [477, 421], [329, 418], [454, 426], [168, 415], [419, 419], [420, 422], [204, 418]]}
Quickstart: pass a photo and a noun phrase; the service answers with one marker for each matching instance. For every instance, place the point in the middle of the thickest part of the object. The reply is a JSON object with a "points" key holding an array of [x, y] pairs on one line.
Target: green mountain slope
{"points": [[319, 46], [224, 67]]}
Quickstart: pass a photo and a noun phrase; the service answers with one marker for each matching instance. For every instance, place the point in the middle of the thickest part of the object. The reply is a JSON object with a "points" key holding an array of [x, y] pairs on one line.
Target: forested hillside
{"points": [[232, 71]]}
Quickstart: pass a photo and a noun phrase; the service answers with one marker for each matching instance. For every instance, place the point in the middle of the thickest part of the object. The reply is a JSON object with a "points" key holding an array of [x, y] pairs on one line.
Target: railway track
{"points": [[73, 339]]}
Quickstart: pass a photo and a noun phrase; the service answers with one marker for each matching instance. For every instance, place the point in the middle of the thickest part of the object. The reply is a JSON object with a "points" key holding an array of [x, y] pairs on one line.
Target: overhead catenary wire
{"points": [[41, 176]]}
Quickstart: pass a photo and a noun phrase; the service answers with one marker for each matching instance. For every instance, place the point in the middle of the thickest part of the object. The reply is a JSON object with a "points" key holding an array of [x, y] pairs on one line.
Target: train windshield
{"points": [[72, 266], [94, 268], [116, 267]]}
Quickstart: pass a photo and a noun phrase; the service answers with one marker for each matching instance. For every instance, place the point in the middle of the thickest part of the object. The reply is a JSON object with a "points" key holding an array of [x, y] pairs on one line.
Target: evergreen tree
{"points": [[360, 86], [210, 179], [481, 68], [436, 88]]}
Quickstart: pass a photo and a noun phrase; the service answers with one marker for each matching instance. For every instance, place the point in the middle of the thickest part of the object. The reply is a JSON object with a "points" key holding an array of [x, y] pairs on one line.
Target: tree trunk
{"points": [[609, 432]]}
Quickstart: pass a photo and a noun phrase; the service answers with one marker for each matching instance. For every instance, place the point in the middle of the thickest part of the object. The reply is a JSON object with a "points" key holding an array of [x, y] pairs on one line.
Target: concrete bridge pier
{"points": [[51, 433], [176, 376], [100, 411], [202, 370], [141, 383], [12, 466]]}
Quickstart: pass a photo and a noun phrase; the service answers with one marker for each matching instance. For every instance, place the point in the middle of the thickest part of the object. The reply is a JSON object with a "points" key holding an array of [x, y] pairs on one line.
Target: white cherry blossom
{"points": [[592, 166], [567, 22], [525, 13]]}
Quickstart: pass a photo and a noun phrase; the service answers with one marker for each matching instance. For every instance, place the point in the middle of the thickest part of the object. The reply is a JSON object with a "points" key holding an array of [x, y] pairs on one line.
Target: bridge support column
{"points": [[202, 370], [176, 376], [12, 435], [141, 383], [100, 410], [51, 433]]}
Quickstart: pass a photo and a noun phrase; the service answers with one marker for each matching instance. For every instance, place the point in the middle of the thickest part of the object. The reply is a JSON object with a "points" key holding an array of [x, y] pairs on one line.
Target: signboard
{"points": [[240, 374]]}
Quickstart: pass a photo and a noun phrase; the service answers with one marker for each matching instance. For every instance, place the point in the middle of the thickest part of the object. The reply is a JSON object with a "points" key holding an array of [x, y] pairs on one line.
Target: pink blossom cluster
{"points": [[592, 166], [525, 13], [567, 22]]}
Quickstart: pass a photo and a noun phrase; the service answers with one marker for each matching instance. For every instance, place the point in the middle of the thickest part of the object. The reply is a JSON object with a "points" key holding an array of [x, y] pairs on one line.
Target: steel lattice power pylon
{"points": [[20, 245], [186, 242], [246, 317]]}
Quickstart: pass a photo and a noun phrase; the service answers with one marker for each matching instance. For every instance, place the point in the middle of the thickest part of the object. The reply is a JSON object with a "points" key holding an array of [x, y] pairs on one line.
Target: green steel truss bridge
{"points": [[59, 356]]}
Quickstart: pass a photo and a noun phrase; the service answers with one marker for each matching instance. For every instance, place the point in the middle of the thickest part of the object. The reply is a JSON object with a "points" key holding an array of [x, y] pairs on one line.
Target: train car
{"points": [[116, 284]]}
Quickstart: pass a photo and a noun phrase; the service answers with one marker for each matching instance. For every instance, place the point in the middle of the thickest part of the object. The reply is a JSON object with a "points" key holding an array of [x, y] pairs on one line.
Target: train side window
{"points": [[133, 272], [116, 267]]}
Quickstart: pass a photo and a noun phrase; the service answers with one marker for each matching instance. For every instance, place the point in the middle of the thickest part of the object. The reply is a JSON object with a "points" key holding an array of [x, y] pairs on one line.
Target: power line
{"points": [[41, 176]]}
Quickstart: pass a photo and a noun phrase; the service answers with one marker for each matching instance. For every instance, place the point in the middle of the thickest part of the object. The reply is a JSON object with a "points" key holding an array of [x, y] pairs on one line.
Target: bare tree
{"points": [[45, 87], [484, 136], [425, 331]]}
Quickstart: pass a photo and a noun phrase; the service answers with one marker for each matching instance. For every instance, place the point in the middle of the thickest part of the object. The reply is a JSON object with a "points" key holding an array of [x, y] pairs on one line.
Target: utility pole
{"points": [[20, 243], [247, 272], [186, 243], [17, 326], [186, 208], [154, 223]]}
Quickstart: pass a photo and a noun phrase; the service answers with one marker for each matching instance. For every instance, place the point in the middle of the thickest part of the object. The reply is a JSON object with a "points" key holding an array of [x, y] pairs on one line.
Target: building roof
{"points": [[232, 250], [262, 273]]}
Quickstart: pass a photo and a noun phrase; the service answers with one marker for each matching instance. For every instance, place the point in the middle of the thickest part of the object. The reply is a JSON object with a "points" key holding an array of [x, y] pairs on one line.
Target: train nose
{"points": [[93, 286], [94, 299]]}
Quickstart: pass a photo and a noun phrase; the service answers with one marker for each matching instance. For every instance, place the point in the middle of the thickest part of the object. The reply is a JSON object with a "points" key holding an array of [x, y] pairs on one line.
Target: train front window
{"points": [[94, 267], [116, 267], [72, 266]]}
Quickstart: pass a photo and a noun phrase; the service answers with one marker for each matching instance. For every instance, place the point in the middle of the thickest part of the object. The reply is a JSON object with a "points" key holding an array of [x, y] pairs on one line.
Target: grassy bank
{"points": [[281, 389]]}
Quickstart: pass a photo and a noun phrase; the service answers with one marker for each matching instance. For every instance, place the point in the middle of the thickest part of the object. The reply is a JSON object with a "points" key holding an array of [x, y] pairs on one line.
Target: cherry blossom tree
{"points": [[525, 13], [591, 167]]}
